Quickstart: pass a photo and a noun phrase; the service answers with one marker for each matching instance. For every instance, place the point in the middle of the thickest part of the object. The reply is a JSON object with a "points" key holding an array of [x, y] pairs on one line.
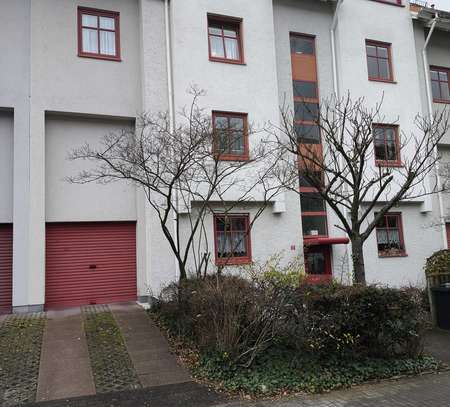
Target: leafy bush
{"points": [[365, 321], [279, 372], [266, 333], [438, 263]]}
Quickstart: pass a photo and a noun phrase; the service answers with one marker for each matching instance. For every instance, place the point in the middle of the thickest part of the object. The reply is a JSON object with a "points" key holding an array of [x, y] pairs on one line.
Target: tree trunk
{"points": [[359, 272], [182, 270]]}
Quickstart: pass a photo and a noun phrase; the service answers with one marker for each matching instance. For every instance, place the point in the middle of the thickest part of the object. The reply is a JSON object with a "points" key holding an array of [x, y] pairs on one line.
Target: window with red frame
{"points": [[387, 145], [230, 135], [225, 39], [232, 239], [98, 34], [389, 232], [440, 84], [379, 62], [396, 2], [314, 213]]}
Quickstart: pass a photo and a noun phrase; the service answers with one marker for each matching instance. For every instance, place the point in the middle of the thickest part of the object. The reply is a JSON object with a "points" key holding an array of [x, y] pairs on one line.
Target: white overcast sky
{"points": [[440, 4]]}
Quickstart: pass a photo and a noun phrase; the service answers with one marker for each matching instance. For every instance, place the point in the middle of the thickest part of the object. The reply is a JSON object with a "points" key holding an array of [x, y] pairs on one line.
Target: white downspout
{"points": [[333, 50], [430, 114], [170, 95]]}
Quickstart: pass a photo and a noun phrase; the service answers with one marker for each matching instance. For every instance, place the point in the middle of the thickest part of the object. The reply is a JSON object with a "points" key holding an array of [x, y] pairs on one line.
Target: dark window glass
{"points": [[305, 111], [440, 85], [230, 134], [312, 202], [308, 133], [305, 183], [386, 144], [379, 61], [302, 45], [314, 225], [303, 89], [315, 263]]}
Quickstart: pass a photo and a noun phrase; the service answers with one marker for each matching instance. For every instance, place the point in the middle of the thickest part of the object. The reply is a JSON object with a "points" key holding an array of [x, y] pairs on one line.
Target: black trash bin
{"points": [[441, 297]]}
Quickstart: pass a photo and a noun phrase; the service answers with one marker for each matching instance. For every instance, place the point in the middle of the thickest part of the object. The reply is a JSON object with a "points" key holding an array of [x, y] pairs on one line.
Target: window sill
{"points": [[389, 3], [387, 256], [382, 80], [389, 164], [234, 261], [441, 101], [101, 57], [227, 61], [233, 158]]}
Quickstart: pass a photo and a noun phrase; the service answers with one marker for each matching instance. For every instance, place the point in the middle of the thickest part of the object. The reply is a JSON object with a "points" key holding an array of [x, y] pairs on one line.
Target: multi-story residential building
{"points": [[72, 71]]}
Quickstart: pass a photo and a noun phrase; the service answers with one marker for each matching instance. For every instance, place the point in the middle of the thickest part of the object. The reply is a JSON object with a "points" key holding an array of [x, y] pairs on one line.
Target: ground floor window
{"points": [[390, 236], [232, 239]]}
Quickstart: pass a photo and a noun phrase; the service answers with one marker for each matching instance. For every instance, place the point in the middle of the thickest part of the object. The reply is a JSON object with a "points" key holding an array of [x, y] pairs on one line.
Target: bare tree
{"points": [[342, 169], [183, 175]]}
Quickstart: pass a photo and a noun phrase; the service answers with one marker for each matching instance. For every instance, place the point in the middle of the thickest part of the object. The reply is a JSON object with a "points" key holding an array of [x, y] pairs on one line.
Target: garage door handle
{"points": [[92, 266]]}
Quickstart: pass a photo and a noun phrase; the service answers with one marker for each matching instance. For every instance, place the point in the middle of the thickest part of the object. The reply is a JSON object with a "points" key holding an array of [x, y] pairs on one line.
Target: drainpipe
{"points": [[333, 49], [170, 95], [430, 113]]}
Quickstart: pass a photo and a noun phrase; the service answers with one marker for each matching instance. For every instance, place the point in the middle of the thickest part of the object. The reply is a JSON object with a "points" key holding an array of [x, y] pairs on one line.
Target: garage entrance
{"points": [[90, 263], [6, 254]]}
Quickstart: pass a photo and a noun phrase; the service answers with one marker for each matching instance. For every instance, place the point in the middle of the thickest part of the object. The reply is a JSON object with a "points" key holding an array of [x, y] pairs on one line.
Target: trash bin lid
{"points": [[441, 289]]}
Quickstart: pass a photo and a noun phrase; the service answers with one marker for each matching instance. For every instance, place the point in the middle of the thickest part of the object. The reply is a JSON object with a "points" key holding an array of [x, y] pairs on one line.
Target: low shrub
{"points": [[280, 372], [438, 263], [225, 315], [366, 321], [266, 333]]}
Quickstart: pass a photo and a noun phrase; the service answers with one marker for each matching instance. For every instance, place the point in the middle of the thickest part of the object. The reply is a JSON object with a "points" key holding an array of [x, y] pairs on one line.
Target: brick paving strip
{"points": [[20, 352], [65, 368], [111, 365], [148, 348]]}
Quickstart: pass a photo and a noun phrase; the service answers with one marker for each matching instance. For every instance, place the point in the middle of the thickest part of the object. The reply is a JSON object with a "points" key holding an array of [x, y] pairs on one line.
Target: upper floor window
{"points": [[230, 135], [98, 34], [390, 236], [232, 239], [440, 84], [225, 40], [379, 61], [387, 145]]}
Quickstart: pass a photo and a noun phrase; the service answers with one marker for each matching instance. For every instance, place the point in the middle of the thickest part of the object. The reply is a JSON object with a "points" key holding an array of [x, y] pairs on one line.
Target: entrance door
{"points": [[318, 263]]}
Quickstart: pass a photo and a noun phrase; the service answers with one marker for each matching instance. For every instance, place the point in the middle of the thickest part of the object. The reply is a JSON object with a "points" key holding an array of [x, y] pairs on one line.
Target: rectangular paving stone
{"points": [[148, 348], [65, 367]]}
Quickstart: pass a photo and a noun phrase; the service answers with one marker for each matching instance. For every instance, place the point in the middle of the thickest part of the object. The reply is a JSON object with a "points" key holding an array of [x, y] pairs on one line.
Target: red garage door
{"points": [[6, 248], [448, 235], [90, 263]]}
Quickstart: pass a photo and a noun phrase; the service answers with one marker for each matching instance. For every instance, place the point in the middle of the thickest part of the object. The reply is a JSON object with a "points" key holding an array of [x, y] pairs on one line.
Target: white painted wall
{"points": [[6, 166], [66, 202], [271, 234]]}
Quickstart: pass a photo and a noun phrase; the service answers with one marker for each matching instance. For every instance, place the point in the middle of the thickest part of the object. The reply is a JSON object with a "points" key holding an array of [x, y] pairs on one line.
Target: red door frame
{"points": [[327, 275]]}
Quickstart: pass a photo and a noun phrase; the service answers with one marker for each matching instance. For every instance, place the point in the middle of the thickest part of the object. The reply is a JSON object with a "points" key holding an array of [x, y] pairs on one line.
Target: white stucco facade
{"points": [[52, 101]]}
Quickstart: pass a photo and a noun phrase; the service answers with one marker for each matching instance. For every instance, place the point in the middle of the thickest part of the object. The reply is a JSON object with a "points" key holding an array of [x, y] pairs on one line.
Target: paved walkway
{"points": [[65, 369], [74, 364], [421, 391], [66, 372]]}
